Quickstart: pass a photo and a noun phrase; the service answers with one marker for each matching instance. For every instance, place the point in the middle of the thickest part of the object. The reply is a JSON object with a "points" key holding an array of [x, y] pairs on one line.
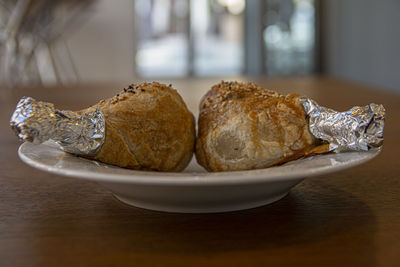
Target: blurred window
{"points": [[289, 36], [217, 36], [183, 37], [162, 37]]}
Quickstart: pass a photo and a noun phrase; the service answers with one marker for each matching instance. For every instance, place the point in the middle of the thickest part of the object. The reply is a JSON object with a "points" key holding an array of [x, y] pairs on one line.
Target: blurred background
{"points": [[94, 41]]}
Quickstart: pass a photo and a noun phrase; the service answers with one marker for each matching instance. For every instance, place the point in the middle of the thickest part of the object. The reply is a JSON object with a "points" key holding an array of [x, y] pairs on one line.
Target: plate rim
{"points": [[187, 178]]}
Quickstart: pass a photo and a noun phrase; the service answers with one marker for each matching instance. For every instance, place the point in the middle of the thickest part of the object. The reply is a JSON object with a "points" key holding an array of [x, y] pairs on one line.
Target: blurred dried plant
{"points": [[30, 26]]}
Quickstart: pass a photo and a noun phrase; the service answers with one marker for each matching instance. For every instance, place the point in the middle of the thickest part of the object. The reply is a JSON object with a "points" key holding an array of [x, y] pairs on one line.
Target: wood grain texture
{"points": [[350, 218]]}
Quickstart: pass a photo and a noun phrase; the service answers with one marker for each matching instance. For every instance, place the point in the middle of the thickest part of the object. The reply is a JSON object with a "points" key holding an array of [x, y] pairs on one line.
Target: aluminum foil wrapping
{"points": [[357, 129], [36, 122]]}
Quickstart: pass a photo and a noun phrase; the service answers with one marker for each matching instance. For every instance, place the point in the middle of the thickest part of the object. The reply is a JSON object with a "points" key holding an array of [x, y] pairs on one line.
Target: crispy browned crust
{"points": [[148, 127], [243, 126]]}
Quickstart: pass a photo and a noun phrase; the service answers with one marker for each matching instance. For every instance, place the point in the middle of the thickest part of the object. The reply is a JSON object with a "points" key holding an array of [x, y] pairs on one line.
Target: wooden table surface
{"points": [[349, 218]]}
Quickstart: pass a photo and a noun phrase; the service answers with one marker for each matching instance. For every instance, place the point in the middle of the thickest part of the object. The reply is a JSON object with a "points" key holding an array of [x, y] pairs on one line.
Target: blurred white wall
{"points": [[362, 41], [103, 48]]}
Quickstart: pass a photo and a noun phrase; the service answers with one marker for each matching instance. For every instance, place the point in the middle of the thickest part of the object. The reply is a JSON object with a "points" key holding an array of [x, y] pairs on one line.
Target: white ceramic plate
{"points": [[193, 190]]}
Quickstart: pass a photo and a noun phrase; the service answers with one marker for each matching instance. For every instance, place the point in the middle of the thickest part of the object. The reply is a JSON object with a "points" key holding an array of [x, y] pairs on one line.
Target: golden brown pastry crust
{"points": [[243, 126], [148, 127]]}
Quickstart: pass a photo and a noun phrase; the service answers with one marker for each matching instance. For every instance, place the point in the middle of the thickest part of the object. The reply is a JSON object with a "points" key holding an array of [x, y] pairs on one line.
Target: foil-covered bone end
{"points": [[36, 121], [357, 129], [32, 120]]}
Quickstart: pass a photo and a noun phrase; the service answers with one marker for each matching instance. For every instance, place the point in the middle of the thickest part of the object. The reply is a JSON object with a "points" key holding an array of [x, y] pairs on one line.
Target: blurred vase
{"points": [[29, 32]]}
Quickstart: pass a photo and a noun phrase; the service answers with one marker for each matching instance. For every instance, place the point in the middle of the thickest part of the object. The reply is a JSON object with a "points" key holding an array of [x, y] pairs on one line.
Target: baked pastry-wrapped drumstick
{"points": [[146, 127], [243, 126]]}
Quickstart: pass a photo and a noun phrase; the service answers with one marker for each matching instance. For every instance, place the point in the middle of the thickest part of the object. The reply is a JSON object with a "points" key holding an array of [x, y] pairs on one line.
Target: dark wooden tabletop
{"points": [[349, 218]]}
